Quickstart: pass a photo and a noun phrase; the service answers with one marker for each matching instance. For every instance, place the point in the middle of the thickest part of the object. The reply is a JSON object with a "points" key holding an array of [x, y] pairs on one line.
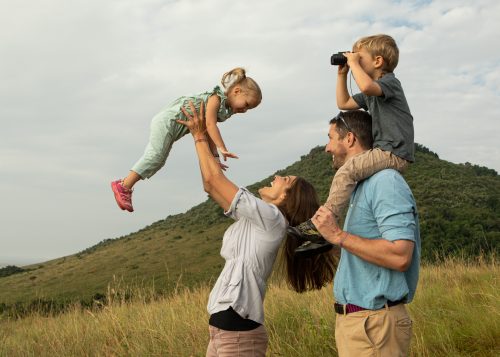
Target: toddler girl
{"points": [[241, 94]]}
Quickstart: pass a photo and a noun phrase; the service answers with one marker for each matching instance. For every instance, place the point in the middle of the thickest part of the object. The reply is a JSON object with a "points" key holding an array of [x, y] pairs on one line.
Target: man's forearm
{"points": [[394, 255]]}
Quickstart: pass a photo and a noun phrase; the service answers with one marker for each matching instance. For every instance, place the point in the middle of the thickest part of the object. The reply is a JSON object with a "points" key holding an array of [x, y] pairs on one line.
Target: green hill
{"points": [[459, 206]]}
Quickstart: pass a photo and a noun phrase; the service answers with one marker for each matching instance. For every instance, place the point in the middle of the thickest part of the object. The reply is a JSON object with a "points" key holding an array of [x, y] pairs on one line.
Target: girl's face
{"points": [[240, 100]]}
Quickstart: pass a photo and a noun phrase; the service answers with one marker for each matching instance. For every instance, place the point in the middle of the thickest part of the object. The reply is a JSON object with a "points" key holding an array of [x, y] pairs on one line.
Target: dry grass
{"points": [[456, 313]]}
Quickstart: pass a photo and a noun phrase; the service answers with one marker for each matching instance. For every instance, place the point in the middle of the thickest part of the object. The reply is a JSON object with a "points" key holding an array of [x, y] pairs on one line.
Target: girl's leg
{"points": [[154, 157], [131, 179], [155, 154]]}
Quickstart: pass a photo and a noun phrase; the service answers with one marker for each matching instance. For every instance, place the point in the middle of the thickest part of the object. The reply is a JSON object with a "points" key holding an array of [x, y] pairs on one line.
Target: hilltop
{"points": [[459, 207]]}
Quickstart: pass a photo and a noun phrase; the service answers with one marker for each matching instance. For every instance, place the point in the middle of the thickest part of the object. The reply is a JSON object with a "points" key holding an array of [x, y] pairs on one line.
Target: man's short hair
{"points": [[358, 122]]}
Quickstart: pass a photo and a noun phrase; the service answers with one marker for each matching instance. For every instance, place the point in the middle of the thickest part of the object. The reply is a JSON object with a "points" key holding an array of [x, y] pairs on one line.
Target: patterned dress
{"points": [[165, 130]]}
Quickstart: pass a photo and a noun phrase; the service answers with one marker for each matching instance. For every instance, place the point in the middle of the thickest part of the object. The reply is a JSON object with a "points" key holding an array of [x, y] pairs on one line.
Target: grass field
{"points": [[455, 312]]}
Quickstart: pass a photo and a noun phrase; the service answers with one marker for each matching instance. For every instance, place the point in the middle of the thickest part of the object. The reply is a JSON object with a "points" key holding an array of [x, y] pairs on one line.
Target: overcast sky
{"points": [[81, 80]]}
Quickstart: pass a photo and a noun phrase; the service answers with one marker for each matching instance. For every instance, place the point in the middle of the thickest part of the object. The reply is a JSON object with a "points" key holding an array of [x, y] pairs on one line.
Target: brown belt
{"points": [[349, 308]]}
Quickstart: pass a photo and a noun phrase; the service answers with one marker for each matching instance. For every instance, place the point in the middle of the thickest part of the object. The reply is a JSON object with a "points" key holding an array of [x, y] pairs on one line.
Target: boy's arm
{"points": [[213, 131], [344, 100], [365, 83]]}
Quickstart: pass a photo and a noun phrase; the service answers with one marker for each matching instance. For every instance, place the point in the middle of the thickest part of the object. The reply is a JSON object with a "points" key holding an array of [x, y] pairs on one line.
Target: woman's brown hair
{"points": [[311, 273]]}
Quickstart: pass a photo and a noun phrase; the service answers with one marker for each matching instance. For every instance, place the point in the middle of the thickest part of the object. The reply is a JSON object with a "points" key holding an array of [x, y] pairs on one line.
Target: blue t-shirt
{"points": [[381, 206]]}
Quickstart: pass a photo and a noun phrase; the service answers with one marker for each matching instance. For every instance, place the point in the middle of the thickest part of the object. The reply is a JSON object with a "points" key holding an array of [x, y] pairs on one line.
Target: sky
{"points": [[81, 80]]}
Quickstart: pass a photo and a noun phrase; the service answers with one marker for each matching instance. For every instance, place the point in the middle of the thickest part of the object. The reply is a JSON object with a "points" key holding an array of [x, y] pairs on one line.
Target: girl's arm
{"points": [[213, 105], [213, 147], [215, 183], [215, 153]]}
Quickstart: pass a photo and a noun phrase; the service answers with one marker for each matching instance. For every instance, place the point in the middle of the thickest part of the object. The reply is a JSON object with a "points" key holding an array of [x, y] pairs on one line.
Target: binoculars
{"points": [[338, 59]]}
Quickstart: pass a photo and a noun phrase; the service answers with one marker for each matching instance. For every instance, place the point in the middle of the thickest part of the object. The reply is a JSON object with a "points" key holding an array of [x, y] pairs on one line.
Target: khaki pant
{"points": [[224, 343], [381, 333], [358, 168]]}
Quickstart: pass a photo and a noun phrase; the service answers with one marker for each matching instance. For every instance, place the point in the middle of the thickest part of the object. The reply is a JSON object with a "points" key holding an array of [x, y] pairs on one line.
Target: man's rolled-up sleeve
{"points": [[394, 208]]}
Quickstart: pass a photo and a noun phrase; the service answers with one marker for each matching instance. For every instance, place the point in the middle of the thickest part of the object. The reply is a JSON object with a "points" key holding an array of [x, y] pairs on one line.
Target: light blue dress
{"points": [[165, 130]]}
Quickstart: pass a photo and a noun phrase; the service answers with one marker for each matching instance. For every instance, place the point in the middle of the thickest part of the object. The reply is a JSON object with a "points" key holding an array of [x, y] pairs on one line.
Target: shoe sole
{"points": [[117, 198], [312, 250]]}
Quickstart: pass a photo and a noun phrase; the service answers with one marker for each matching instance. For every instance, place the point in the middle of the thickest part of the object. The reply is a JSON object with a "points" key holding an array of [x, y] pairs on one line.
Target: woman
{"points": [[250, 247]]}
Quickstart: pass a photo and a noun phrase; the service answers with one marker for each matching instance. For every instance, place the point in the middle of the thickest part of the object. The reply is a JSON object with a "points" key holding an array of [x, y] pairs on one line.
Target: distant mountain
{"points": [[459, 207]]}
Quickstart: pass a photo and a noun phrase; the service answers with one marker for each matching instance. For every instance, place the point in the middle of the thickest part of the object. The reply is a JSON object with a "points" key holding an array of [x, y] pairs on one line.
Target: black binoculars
{"points": [[338, 59]]}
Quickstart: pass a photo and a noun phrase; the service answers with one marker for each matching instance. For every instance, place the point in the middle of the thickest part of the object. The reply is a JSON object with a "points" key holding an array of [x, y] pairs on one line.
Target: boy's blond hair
{"points": [[380, 45]]}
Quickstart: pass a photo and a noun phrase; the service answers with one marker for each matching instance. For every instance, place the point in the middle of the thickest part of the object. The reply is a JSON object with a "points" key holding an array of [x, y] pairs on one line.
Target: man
{"points": [[380, 251]]}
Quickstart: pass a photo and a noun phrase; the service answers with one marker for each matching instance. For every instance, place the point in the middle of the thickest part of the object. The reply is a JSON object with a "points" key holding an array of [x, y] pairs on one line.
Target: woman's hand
{"points": [[196, 121]]}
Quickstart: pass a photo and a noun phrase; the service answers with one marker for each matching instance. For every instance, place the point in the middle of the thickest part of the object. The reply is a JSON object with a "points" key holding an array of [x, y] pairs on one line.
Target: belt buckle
{"points": [[339, 308]]}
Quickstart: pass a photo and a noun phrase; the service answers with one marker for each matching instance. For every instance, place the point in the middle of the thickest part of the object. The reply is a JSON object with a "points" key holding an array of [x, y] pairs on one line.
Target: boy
{"points": [[372, 63]]}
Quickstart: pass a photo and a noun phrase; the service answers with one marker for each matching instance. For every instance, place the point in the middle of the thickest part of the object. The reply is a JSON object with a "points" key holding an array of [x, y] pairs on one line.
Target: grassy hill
{"points": [[459, 205]]}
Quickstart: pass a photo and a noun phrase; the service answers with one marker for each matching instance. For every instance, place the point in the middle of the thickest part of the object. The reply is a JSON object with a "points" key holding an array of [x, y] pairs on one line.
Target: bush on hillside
{"points": [[9, 270]]}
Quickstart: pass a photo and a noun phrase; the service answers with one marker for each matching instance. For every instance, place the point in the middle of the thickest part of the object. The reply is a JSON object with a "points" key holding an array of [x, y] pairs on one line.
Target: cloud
{"points": [[81, 81]]}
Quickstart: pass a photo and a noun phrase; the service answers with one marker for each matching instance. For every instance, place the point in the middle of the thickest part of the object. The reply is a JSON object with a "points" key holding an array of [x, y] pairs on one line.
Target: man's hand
{"points": [[327, 225], [196, 122]]}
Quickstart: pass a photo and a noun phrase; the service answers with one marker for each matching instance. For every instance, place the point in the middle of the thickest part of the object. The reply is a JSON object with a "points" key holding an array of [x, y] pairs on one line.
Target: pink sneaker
{"points": [[123, 195]]}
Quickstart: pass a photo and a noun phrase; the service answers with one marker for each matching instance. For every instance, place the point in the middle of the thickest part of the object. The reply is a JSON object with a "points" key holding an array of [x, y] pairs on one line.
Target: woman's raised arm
{"points": [[215, 183]]}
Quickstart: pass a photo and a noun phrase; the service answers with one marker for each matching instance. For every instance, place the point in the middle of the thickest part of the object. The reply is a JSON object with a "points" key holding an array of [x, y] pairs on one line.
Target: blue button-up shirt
{"points": [[382, 206]]}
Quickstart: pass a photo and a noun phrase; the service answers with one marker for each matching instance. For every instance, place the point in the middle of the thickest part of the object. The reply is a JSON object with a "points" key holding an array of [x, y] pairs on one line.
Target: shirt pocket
{"points": [[231, 285], [361, 219]]}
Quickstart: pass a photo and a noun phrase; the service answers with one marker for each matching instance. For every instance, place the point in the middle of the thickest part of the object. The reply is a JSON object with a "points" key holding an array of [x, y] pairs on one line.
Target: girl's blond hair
{"points": [[237, 76]]}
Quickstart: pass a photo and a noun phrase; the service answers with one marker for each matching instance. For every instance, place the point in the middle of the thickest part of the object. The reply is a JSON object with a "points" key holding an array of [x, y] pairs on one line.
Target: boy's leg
{"points": [[357, 169], [343, 185]]}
